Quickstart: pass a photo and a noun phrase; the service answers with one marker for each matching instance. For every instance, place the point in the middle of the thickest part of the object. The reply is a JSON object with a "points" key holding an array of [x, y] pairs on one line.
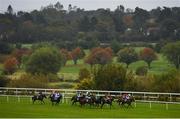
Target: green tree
{"points": [[44, 60], [127, 55], [172, 52]]}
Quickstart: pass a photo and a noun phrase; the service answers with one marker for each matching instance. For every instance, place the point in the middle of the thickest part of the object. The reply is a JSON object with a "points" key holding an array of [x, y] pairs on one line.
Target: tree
{"points": [[76, 54], [109, 77], [10, 9], [168, 27], [172, 52], [58, 6], [99, 56], [10, 65], [19, 53], [5, 48], [44, 60], [127, 55], [65, 55], [116, 46], [148, 55]]}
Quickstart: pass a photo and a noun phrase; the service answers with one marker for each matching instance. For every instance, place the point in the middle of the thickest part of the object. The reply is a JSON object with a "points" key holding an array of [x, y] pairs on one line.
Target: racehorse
{"points": [[96, 101], [39, 97], [109, 101], [74, 99], [123, 101], [55, 101], [83, 100]]}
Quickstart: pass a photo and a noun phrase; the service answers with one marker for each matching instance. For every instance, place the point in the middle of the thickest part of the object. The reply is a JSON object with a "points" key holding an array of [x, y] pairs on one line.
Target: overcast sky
{"points": [[29, 5]]}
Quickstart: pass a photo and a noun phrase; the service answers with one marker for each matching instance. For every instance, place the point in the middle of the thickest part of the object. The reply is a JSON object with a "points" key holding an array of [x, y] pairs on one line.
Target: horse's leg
{"points": [[102, 105], [33, 101], [43, 101], [72, 103], [130, 105]]}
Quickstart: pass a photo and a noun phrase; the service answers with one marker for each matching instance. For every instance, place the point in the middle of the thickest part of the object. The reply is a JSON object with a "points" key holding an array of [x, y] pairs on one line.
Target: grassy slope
{"points": [[27, 109]]}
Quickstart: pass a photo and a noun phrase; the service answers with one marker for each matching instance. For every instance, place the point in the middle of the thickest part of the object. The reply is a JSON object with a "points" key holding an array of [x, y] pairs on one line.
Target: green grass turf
{"points": [[25, 108]]}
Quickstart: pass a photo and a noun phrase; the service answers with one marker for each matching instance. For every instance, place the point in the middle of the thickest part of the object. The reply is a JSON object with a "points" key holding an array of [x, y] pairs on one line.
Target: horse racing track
{"points": [[24, 108]]}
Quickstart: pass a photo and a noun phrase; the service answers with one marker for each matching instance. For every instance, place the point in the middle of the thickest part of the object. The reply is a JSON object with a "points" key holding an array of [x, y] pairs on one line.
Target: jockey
{"points": [[39, 94], [87, 96], [124, 97], [127, 97], [79, 94], [107, 96], [57, 95]]}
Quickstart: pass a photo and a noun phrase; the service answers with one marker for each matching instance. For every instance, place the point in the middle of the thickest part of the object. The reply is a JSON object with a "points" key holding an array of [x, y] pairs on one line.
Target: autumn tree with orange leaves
{"points": [[76, 54], [148, 55], [66, 55], [10, 65], [99, 56], [19, 53]]}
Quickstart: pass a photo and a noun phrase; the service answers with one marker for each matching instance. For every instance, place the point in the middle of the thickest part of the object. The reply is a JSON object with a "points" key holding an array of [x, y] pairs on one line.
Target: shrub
{"points": [[109, 77], [4, 81], [85, 84], [84, 73], [30, 81], [143, 70]]}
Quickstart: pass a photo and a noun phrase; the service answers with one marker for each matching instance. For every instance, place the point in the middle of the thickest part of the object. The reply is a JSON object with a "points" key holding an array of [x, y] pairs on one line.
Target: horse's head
{"points": [[51, 96], [44, 96], [132, 99], [74, 97]]}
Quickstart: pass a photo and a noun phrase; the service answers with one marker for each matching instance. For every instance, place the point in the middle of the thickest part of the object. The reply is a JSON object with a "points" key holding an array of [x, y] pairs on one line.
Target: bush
{"points": [[4, 81], [84, 73], [109, 77], [52, 77], [169, 82], [85, 84], [142, 71], [30, 81]]}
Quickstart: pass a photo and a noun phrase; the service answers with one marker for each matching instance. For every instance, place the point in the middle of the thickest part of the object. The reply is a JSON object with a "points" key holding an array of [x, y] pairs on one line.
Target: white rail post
{"points": [[7, 98], [135, 104], [144, 96], [63, 98], [166, 106], [16, 92], [150, 105], [18, 99], [170, 98]]}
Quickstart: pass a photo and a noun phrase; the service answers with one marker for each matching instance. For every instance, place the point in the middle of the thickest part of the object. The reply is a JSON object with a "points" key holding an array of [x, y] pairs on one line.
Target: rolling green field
{"points": [[25, 108], [70, 72]]}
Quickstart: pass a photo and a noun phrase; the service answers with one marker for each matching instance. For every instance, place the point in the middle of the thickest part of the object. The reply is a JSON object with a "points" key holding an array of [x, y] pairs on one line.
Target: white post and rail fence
{"points": [[143, 97]]}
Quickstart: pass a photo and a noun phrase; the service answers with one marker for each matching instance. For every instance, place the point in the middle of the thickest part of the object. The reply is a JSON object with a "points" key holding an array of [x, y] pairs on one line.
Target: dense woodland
{"points": [[78, 27]]}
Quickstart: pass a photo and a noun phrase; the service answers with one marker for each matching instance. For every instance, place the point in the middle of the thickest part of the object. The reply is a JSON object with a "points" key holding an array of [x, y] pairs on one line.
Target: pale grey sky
{"points": [[29, 5]]}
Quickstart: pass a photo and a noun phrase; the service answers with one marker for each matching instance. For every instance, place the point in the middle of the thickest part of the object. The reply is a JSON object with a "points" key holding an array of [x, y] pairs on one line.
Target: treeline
{"points": [[117, 77], [78, 27]]}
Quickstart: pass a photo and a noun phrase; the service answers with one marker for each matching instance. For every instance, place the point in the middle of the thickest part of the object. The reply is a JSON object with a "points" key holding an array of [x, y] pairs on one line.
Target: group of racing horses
{"points": [[92, 100]]}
